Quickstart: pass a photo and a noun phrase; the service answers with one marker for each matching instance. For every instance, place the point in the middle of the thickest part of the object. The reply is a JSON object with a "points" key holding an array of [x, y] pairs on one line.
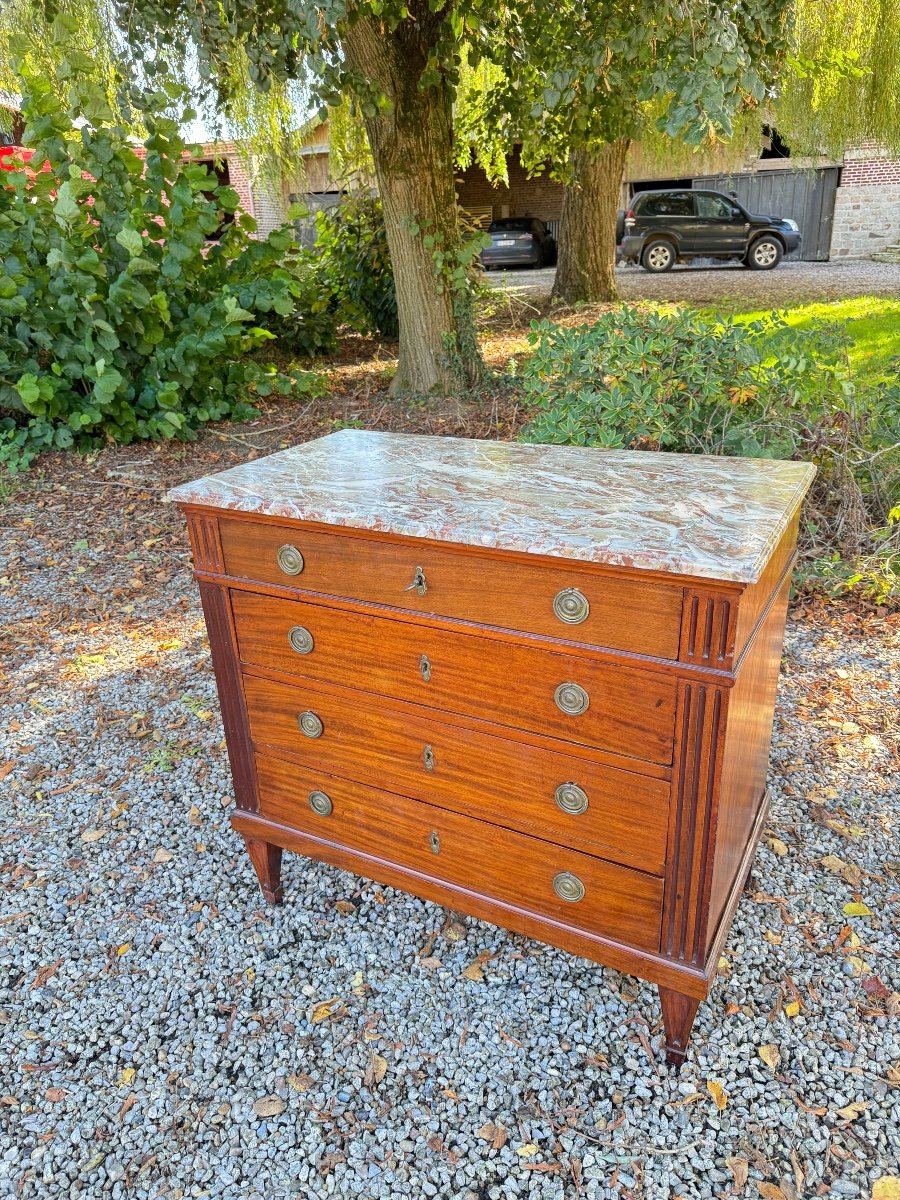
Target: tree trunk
{"points": [[587, 232], [412, 148]]}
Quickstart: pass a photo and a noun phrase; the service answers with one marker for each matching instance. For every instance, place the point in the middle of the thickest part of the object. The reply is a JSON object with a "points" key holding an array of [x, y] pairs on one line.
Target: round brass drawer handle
{"points": [[568, 887], [571, 798], [301, 639], [310, 724], [320, 802], [571, 606], [290, 559], [571, 699]]}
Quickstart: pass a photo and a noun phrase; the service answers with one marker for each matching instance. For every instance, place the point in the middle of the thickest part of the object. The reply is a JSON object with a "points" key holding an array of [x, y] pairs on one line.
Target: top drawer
{"points": [[566, 601]]}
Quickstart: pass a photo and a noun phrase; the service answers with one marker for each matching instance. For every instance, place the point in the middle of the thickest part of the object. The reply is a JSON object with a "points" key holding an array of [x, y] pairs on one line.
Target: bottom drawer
{"points": [[548, 880]]}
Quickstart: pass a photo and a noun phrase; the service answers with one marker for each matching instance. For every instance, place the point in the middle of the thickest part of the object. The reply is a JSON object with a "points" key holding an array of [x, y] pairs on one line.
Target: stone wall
{"points": [[866, 205]]}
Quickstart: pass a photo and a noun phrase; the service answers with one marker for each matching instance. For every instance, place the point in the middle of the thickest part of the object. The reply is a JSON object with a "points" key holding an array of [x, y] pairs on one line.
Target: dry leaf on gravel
{"points": [[455, 931], [718, 1093], [376, 1069], [46, 973], [55, 1094], [886, 1188], [269, 1106], [875, 988], [792, 1009], [770, 1191], [851, 1111], [848, 872], [474, 972], [527, 1150], [856, 908], [93, 835], [739, 1168], [162, 856], [126, 1076], [777, 846], [328, 1008], [346, 908], [495, 1134], [770, 1055], [301, 1082]]}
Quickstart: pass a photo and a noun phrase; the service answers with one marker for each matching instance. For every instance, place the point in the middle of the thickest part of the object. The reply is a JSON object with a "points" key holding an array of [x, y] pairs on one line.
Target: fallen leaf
{"points": [[792, 1008], [162, 856], [269, 1106], [848, 872], [886, 1188], [55, 1094], [739, 1168], [430, 964], [45, 974], [527, 1150], [328, 1008], [346, 908], [777, 846], [126, 1075], [875, 988], [770, 1055], [300, 1083], [770, 1191], [495, 1134], [718, 1093], [93, 835], [775, 939], [5, 769], [194, 815], [851, 1111], [858, 964], [376, 1069], [893, 1076], [856, 908], [455, 931], [474, 972], [123, 949]]}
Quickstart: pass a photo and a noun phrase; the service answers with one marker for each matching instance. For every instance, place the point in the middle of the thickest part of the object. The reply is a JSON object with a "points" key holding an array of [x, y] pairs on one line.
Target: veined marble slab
{"points": [[694, 515]]}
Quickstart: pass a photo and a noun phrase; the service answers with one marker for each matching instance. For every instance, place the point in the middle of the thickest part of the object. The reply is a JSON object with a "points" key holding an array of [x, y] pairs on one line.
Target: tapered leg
{"points": [[678, 1016], [266, 860]]}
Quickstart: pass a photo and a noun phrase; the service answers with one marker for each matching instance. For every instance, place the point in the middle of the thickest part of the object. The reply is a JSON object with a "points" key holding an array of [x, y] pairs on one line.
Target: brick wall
{"points": [[539, 196], [867, 204]]}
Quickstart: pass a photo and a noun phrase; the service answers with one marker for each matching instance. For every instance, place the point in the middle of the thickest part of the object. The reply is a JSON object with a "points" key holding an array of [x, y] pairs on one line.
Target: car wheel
{"points": [[658, 256], [764, 254]]}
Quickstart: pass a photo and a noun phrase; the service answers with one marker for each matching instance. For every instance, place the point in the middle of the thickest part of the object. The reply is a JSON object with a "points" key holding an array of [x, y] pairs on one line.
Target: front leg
{"points": [[266, 860], [678, 1017]]}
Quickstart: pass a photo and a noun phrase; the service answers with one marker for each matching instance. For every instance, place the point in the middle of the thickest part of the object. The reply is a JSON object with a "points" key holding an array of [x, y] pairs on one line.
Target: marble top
{"points": [[694, 515]]}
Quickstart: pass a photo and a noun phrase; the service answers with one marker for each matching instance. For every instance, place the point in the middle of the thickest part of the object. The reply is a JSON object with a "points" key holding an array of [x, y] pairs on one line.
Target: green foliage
{"points": [[686, 381], [119, 318], [352, 245], [311, 326]]}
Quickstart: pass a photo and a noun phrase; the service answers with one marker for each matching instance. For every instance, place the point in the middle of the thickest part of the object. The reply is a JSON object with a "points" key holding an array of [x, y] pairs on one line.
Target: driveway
{"points": [[790, 283]]}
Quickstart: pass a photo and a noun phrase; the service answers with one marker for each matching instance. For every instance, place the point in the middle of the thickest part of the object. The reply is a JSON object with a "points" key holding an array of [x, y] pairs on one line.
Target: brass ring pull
{"points": [[571, 606], [568, 887], [320, 802], [571, 699], [571, 798], [290, 559], [310, 724], [300, 639], [418, 584]]}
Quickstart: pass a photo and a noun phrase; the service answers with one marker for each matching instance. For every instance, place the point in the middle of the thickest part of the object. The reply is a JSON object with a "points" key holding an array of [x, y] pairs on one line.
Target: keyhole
{"points": [[435, 842], [425, 668], [428, 758]]}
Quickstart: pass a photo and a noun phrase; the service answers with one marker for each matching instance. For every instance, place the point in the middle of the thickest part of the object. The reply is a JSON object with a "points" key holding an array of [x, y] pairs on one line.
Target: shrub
{"points": [[311, 326], [119, 318], [352, 243], [681, 380]]}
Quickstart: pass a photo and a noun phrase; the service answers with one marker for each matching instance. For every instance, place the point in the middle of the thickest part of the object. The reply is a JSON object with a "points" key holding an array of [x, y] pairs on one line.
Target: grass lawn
{"points": [[872, 321]]}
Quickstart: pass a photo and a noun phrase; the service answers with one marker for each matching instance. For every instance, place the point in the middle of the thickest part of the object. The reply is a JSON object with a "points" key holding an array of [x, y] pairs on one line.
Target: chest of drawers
{"points": [[533, 683]]}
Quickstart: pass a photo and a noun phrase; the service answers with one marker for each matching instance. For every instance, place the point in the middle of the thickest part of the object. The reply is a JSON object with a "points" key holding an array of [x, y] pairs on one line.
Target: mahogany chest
{"points": [[533, 683]]}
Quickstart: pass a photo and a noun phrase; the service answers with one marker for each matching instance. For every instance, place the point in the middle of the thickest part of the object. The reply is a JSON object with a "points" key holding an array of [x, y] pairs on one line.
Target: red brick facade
{"points": [[538, 196], [866, 172]]}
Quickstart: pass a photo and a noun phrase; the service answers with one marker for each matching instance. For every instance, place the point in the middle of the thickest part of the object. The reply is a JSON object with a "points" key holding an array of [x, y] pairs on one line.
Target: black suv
{"points": [[662, 228]]}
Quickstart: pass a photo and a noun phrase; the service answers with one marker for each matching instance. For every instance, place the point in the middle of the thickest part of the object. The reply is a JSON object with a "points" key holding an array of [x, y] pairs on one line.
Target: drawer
{"points": [[623, 614], [400, 748], [629, 712], [483, 858]]}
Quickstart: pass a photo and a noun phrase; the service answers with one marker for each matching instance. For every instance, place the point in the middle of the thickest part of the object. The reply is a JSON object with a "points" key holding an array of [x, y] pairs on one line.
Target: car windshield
{"points": [[521, 223]]}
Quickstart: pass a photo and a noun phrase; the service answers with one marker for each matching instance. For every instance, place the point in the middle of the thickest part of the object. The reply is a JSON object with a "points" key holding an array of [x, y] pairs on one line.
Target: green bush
{"points": [[119, 318], [352, 243], [681, 380], [311, 327]]}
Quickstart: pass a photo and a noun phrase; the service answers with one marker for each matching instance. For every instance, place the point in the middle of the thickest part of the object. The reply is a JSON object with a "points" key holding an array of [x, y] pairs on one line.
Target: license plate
{"points": [[506, 242]]}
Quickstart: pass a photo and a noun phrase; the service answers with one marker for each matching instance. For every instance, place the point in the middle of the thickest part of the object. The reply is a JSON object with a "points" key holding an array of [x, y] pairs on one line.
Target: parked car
{"points": [[519, 241], [665, 227]]}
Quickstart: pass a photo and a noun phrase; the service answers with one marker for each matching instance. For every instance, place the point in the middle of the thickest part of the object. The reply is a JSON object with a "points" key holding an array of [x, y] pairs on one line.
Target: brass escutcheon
{"points": [[310, 724], [428, 758], [571, 798], [568, 887], [435, 842], [320, 802], [571, 606], [572, 699], [425, 668], [300, 639], [418, 584], [290, 559]]}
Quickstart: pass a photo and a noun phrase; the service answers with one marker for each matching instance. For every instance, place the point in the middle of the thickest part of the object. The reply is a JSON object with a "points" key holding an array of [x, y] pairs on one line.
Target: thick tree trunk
{"points": [[412, 147], [587, 232]]}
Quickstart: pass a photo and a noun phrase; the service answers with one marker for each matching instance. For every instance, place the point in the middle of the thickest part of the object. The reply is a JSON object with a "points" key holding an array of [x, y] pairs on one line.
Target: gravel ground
{"points": [[159, 1025], [791, 282]]}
